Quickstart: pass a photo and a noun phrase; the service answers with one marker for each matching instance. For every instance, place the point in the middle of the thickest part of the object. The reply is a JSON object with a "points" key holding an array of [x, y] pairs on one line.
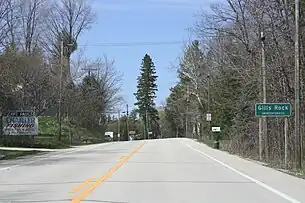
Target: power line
{"points": [[128, 44], [160, 43], [155, 3]]}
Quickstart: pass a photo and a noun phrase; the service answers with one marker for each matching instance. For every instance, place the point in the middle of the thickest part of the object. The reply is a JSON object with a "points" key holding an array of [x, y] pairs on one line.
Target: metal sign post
{"points": [[216, 142], [275, 110]]}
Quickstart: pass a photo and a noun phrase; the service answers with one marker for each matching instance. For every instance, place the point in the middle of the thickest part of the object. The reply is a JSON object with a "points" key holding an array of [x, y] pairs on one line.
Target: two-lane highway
{"points": [[152, 171]]}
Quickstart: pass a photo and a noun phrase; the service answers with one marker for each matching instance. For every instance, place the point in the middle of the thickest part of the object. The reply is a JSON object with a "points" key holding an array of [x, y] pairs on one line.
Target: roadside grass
{"points": [[8, 154], [206, 141], [277, 165], [72, 135]]}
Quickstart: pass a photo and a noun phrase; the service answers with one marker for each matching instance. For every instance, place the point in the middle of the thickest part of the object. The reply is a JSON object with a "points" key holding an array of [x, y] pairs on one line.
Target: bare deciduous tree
{"points": [[5, 27], [110, 81], [68, 19], [32, 14]]}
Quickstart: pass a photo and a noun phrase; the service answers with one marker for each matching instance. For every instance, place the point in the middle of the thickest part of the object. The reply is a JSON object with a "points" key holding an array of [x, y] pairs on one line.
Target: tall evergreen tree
{"points": [[146, 94]]}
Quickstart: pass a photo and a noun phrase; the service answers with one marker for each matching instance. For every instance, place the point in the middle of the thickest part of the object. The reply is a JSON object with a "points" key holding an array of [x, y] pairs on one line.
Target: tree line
{"points": [[37, 41], [220, 73]]}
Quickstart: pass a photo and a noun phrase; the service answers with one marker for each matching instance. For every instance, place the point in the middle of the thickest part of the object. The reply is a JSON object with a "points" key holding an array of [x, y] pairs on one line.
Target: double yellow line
{"points": [[90, 189]]}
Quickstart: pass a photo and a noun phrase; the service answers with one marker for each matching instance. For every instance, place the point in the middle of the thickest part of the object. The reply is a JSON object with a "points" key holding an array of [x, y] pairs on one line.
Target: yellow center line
{"points": [[90, 189], [80, 186]]}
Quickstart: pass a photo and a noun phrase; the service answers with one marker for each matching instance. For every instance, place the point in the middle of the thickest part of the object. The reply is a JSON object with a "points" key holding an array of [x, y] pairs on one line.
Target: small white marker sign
{"points": [[209, 117], [215, 129]]}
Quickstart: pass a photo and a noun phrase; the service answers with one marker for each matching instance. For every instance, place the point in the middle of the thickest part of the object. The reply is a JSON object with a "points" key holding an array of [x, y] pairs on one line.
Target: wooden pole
{"points": [[298, 140]]}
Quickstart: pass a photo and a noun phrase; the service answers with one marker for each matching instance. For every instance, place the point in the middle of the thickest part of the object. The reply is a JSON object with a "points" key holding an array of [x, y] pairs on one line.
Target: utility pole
{"points": [[60, 86], [119, 127], [264, 119], [89, 69], [298, 139], [146, 124], [209, 106], [209, 101], [1, 124], [98, 70], [187, 111], [127, 125], [260, 119]]}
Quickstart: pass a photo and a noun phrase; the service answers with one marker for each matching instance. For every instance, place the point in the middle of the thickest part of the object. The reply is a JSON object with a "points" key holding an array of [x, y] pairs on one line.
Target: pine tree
{"points": [[146, 93]]}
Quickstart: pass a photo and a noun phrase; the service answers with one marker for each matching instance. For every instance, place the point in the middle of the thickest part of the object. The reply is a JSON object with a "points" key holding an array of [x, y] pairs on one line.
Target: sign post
{"points": [[286, 141], [276, 110], [216, 143], [20, 123]]}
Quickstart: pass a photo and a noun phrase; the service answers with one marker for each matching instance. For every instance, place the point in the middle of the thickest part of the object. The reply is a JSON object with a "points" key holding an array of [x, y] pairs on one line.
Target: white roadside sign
{"points": [[215, 129]]}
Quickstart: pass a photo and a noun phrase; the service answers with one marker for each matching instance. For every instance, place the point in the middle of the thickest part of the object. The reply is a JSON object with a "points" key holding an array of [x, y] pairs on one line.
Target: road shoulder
{"points": [[283, 183], [28, 159]]}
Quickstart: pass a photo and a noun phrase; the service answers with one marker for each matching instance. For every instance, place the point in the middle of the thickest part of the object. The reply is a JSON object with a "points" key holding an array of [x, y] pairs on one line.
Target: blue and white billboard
{"points": [[20, 123]]}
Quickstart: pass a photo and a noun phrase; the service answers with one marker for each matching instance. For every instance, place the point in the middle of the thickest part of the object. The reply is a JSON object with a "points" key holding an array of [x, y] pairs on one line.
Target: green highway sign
{"points": [[273, 109]]}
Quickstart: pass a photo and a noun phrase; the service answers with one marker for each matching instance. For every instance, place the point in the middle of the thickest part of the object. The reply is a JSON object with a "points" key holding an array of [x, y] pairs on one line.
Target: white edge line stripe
{"points": [[246, 176]]}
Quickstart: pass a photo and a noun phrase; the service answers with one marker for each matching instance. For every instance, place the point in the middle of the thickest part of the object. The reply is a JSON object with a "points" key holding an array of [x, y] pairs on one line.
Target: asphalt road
{"points": [[153, 171]]}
